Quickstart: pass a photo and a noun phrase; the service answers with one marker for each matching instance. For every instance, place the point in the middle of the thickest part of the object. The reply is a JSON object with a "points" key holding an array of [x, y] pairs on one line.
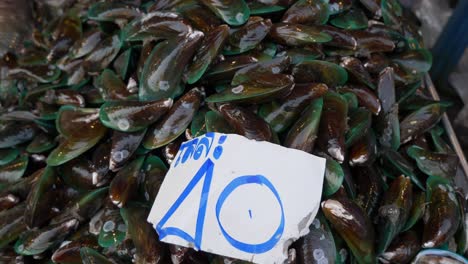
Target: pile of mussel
{"points": [[95, 105]]}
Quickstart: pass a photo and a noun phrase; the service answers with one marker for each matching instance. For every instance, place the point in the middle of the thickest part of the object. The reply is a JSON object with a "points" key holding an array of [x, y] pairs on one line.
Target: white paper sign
{"points": [[236, 197]]}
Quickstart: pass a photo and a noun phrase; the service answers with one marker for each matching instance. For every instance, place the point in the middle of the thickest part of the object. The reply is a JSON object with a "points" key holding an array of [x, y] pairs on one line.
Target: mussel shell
{"points": [[123, 147], [434, 164], [443, 213], [124, 186], [270, 86], [303, 133], [353, 225], [280, 115], [133, 116], [209, 48], [307, 12], [246, 123], [320, 71], [297, 34], [318, 245], [175, 121], [402, 249], [164, 67], [394, 211], [419, 121], [333, 125], [145, 238]]}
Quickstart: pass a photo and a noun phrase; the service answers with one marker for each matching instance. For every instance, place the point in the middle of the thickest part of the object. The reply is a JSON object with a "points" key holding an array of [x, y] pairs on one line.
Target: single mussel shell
{"points": [[333, 179], [86, 44], [270, 86], [81, 174], [320, 71], [91, 256], [394, 211], [333, 125], [145, 238], [215, 122], [417, 210], [419, 121], [113, 229], [365, 96], [175, 121], [439, 256], [433, 163], [164, 67], [154, 172], [298, 55], [357, 71], [116, 12], [70, 252], [200, 17], [303, 133], [307, 12], [156, 26], [397, 164], [248, 36], [123, 147], [11, 224], [210, 47], [318, 245], [37, 241], [386, 89], [388, 128], [41, 198], [443, 213], [14, 170], [297, 34], [369, 188], [341, 39], [402, 249], [359, 124], [368, 43], [255, 72], [13, 133], [350, 20], [233, 12], [353, 225], [414, 61], [112, 88], [102, 55], [245, 122], [82, 130], [224, 71], [281, 114], [133, 116], [124, 186], [364, 151]]}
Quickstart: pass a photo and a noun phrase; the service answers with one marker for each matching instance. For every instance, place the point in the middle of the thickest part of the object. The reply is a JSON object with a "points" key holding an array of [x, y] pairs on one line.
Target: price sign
{"points": [[236, 197]]}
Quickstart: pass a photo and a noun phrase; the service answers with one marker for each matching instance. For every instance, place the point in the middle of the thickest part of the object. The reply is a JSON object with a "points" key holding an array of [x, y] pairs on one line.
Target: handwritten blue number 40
{"points": [[195, 148]]}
